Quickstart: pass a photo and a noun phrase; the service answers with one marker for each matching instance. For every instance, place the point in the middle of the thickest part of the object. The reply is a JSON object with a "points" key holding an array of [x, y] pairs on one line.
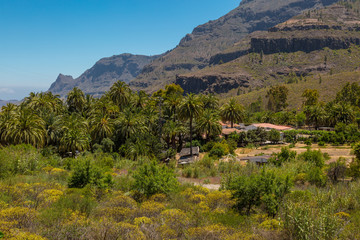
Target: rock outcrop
{"points": [[212, 83]]}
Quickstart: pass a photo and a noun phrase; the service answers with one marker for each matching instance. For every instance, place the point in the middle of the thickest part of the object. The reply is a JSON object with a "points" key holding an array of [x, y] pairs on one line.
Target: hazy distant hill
{"points": [[4, 102], [103, 74], [196, 49]]}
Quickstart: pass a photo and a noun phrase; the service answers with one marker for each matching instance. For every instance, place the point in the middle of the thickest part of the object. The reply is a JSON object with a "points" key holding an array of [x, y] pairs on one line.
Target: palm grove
{"points": [[88, 168], [138, 124]]}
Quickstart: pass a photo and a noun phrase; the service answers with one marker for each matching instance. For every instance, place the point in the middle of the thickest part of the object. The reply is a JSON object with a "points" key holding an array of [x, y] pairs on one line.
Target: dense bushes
{"points": [[152, 178], [264, 188]]}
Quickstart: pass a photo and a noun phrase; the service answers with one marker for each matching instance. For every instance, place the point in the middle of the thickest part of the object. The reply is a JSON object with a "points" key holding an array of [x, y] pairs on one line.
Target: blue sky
{"points": [[42, 38]]}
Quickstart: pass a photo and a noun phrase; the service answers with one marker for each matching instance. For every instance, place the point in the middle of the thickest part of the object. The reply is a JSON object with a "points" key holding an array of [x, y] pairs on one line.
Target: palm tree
{"points": [[104, 106], [210, 101], [190, 109], [130, 124], [75, 136], [209, 124], [76, 100], [315, 115], [342, 112], [26, 127], [232, 111], [172, 129], [6, 116], [101, 127], [120, 94], [172, 103]]}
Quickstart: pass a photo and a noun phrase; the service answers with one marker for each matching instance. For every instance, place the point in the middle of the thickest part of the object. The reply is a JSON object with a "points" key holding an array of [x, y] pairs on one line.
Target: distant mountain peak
{"points": [[103, 74]]}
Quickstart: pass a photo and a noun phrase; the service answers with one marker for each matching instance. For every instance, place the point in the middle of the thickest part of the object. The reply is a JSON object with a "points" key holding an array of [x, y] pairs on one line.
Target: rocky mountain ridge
{"points": [[195, 50], [304, 45], [103, 74]]}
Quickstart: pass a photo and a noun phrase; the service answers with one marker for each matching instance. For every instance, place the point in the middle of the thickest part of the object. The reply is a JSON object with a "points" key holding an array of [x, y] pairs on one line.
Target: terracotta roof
{"points": [[272, 126], [228, 131]]}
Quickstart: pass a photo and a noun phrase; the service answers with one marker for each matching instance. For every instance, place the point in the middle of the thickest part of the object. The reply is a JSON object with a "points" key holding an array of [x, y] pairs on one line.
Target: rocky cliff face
{"points": [[103, 74], [215, 36], [305, 45], [212, 83]]}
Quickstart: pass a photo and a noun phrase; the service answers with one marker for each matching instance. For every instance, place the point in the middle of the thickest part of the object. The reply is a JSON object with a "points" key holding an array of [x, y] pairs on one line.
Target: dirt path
{"points": [[334, 151], [214, 182]]}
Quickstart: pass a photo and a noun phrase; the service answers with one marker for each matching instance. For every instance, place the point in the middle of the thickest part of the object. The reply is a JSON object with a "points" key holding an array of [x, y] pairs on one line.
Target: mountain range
{"points": [[209, 44]]}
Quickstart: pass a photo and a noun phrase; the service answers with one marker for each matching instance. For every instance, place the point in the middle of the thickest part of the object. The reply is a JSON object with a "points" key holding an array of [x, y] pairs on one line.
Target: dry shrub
{"points": [[151, 209], [212, 232], [119, 208], [19, 216], [174, 223]]}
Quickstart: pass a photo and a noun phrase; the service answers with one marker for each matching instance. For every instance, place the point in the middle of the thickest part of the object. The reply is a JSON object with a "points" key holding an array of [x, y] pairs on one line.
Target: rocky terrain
{"points": [[309, 44], [195, 50], [103, 74]]}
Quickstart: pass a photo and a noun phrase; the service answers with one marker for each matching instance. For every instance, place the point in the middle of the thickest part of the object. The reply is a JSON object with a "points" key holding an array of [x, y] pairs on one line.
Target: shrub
{"points": [[259, 189], [274, 136], [337, 170], [152, 178], [20, 159], [86, 173], [316, 176], [315, 157], [208, 146], [285, 155], [219, 150]]}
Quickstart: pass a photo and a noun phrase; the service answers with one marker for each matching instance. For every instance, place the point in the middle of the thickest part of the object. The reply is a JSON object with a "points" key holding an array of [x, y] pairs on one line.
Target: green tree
{"points": [[315, 115], [277, 98], [350, 93], [209, 124], [311, 97], [152, 178], [75, 133], [101, 127], [232, 111], [130, 124], [274, 136], [25, 127], [75, 100], [120, 94], [265, 189], [341, 112], [172, 129], [190, 109]]}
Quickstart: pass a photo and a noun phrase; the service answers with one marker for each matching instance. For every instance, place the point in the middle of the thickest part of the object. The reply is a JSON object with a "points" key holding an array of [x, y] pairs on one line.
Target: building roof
{"points": [[272, 126], [257, 159], [228, 131], [186, 151]]}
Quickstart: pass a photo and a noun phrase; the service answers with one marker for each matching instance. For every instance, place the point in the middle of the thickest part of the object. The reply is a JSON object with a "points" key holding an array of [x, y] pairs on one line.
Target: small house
{"points": [[186, 158]]}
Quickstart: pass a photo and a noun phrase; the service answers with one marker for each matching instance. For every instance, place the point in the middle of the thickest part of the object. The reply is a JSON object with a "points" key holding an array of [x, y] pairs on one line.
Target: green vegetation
{"points": [[106, 169]]}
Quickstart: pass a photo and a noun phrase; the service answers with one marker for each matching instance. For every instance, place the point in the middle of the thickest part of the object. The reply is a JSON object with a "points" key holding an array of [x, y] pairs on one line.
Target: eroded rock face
{"points": [[308, 44], [212, 83]]}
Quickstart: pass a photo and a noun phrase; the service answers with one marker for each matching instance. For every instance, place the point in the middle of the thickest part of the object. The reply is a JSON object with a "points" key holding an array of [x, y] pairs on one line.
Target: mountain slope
{"points": [[195, 50], [318, 46], [103, 74]]}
